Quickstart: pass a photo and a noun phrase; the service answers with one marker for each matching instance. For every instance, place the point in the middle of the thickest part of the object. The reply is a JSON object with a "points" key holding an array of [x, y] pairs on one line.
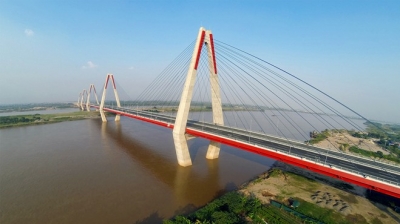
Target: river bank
{"points": [[320, 198], [333, 199], [36, 119]]}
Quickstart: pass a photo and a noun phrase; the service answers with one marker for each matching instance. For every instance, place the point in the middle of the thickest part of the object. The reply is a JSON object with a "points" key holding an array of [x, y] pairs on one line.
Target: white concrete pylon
{"points": [[83, 99], [181, 147], [88, 98], [103, 116], [218, 119]]}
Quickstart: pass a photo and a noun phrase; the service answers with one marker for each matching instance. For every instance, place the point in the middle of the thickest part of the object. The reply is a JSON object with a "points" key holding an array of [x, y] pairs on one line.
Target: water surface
{"points": [[92, 172]]}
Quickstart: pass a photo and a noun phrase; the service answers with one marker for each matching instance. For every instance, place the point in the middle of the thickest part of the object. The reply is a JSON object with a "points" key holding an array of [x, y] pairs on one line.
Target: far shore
{"points": [[37, 119]]}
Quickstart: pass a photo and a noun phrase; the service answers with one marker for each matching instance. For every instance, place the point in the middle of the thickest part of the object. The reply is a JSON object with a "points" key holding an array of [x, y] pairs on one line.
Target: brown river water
{"points": [[92, 172]]}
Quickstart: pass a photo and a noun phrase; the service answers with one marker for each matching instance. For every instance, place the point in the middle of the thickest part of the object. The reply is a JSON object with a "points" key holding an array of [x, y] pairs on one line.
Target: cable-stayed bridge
{"points": [[253, 105]]}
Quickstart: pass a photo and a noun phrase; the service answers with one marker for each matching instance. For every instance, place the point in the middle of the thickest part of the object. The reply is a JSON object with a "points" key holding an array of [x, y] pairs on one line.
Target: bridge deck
{"points": [[362, 171]]}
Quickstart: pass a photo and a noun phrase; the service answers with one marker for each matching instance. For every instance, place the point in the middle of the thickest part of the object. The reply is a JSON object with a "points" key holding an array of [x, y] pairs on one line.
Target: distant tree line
{"points": [[18, 119]]}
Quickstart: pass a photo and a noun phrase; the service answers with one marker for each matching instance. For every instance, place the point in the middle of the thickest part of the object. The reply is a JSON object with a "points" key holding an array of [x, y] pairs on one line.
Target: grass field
{"points": [[35, 119]]}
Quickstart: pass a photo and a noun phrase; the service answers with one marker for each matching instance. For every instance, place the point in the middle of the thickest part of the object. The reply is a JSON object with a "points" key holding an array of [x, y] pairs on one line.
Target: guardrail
{"points": [[276, 140]]}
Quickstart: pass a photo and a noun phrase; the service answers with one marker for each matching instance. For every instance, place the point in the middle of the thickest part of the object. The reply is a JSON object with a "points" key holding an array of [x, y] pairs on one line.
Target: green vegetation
{"points": [[389, 132], [363, 152], [318, 137], [302, 182], [376, 221], [394, 157], [22, 120], [388, 135], [275, 172], [234, 207], [324, 215]]}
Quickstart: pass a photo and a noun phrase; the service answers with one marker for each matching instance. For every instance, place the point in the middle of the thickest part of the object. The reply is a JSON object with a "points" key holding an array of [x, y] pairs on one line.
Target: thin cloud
{"points": [[89, 65], [29, 32], [131, 68]]}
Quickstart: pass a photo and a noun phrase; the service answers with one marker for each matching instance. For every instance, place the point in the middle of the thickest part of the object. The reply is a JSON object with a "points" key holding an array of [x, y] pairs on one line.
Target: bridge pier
{"points": [[103, 98], [213, 150], [88, 97], [182, 149], [83, 99], [180, 141], [79, 100]]}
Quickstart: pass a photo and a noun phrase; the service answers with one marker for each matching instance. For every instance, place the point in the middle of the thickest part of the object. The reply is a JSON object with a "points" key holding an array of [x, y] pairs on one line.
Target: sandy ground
{"points": [[336, 139], [321, 192]]}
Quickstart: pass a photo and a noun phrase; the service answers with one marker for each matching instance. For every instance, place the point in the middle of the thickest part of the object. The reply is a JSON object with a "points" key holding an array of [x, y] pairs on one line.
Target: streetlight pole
{"points": [[250, 129], [276, 123], [202, 117], [326, 156], [234, 118]]}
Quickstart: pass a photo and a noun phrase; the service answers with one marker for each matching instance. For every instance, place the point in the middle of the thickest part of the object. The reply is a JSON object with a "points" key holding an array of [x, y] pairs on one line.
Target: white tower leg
{"points": [[82, 100], [214, 147], [117, 117], [182, 151], [88, 98], [103, 98], [181, 147], [95, 95]]}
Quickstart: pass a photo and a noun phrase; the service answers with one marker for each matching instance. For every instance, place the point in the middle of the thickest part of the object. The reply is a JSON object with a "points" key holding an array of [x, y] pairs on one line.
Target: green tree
{"points": [[379, 154]]}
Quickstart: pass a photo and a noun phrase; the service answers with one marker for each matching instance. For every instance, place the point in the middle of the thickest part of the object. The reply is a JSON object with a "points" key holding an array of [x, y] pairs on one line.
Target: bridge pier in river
{"points": [[80, 103], [88, 96], [103, 98], [180, 141]]}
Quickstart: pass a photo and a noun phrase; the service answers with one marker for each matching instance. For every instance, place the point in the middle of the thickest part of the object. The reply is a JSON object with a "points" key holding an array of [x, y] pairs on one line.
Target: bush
{"points": [[379, 154], [234, 207]]}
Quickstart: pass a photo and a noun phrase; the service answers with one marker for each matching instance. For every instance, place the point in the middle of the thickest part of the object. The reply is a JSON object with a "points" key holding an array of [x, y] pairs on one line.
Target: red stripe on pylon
{"points": [[213, 53], [199, 50], [113, 82], [106, 84]]}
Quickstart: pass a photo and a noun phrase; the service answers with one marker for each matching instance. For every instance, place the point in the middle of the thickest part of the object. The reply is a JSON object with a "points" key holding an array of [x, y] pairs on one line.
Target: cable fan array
{"points": [[255, 95]]}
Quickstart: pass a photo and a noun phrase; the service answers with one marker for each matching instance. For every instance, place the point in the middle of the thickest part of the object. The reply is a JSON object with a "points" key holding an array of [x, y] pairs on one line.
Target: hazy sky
{"points": [[51, 50]]}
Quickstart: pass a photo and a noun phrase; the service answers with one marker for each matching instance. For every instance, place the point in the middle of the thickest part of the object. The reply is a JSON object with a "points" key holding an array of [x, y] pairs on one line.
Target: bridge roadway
{"points": [[362, 171]]}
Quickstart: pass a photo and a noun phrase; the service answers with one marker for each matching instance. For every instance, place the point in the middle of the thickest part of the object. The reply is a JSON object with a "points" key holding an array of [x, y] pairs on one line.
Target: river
{"points": [[87, 171]]}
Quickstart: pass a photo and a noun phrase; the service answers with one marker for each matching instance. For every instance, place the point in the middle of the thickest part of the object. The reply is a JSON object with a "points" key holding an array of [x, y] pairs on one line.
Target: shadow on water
{"points": [[182, 180], [152, 218], [156, 218], [152, 148], [185, 210]]}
